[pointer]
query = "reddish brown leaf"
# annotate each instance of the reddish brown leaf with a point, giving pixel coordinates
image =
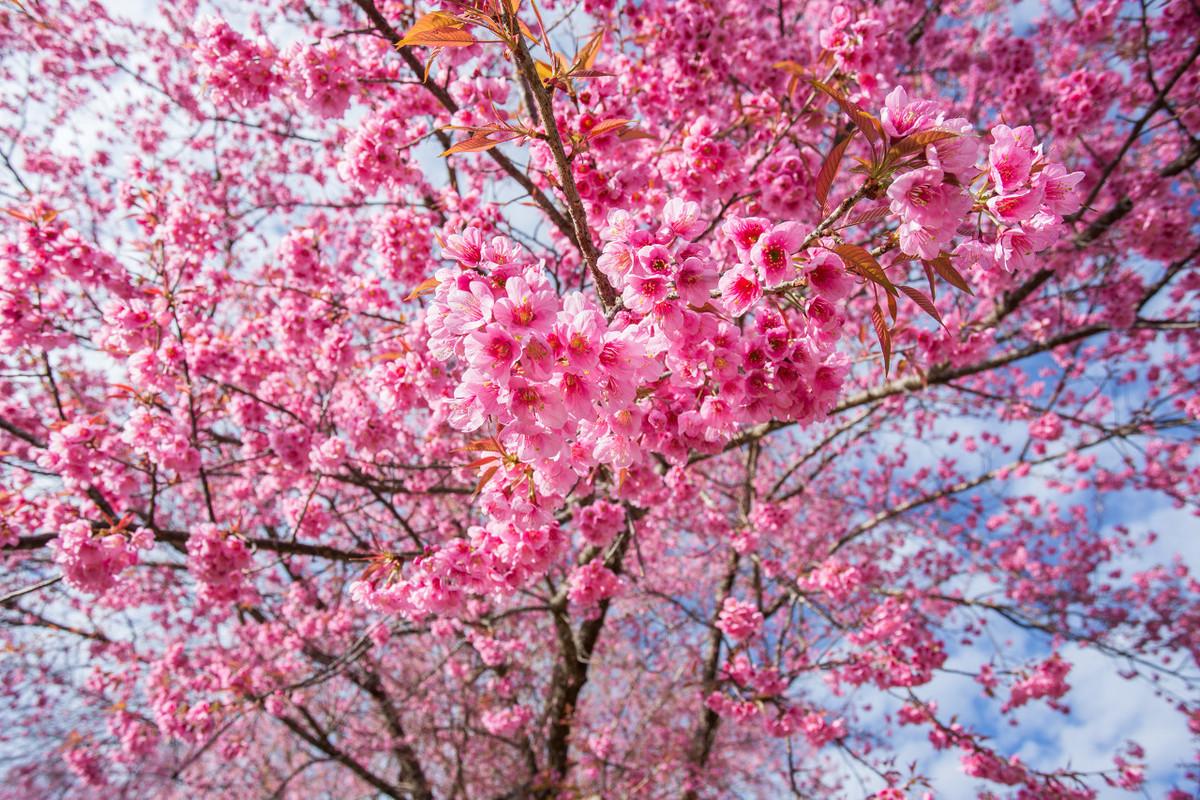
(922, 299)
(828, 172)
(544, 71)
(481, 141)
(865, 122)
(424, 287)
(607, 126)
(865, 264)
(797, 72)
(585, 59)
(485, 477)
(791, 66)
(862, 120)
(884, 336)
(917, 142)
(437, 29)
(929, 279)
(707, 308)
(867, 217)
(950, 275)
(525, 31)
(479, 462)
(483, 445)
(632, 134)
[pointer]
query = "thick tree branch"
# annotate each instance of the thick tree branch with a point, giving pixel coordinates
(571, 668)
(579, 222)
(384, 28)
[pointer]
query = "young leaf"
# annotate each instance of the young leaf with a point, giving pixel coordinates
(479, 462)
(795, 70)
(829, 168)
(917, 142)
(607, 126)
(544, 71)
(480, 142)
(585, 59)
(590, 73)
(791, 66)
(424, 287)
(867, 217)
(487, 475)
(437, 29)
(526, 32)
(862, 120)
(949, 274)
(484, 445)
(921, 299)
(630, 134)
(884, 336)
(865, 122)
(865, 264)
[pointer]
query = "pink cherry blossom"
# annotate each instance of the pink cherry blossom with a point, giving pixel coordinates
(739, 620)
(650, 399)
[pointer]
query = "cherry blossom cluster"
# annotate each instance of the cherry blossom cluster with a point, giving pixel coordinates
(852, 40)
(591, 583)
(132, 324)
(161, 440)
(506, 721)
(1024, 197)
(706, 163)
(70, 450)
(739, 620)
(321, 75)
(785, 720)
(599, 522)
(492, 561)
(738, 381)
(1082, 98)
(379, 152)
(783, 365)
(92, 559)
(33, 257)
(219, 560)
(1047, 679)
(237, 70)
